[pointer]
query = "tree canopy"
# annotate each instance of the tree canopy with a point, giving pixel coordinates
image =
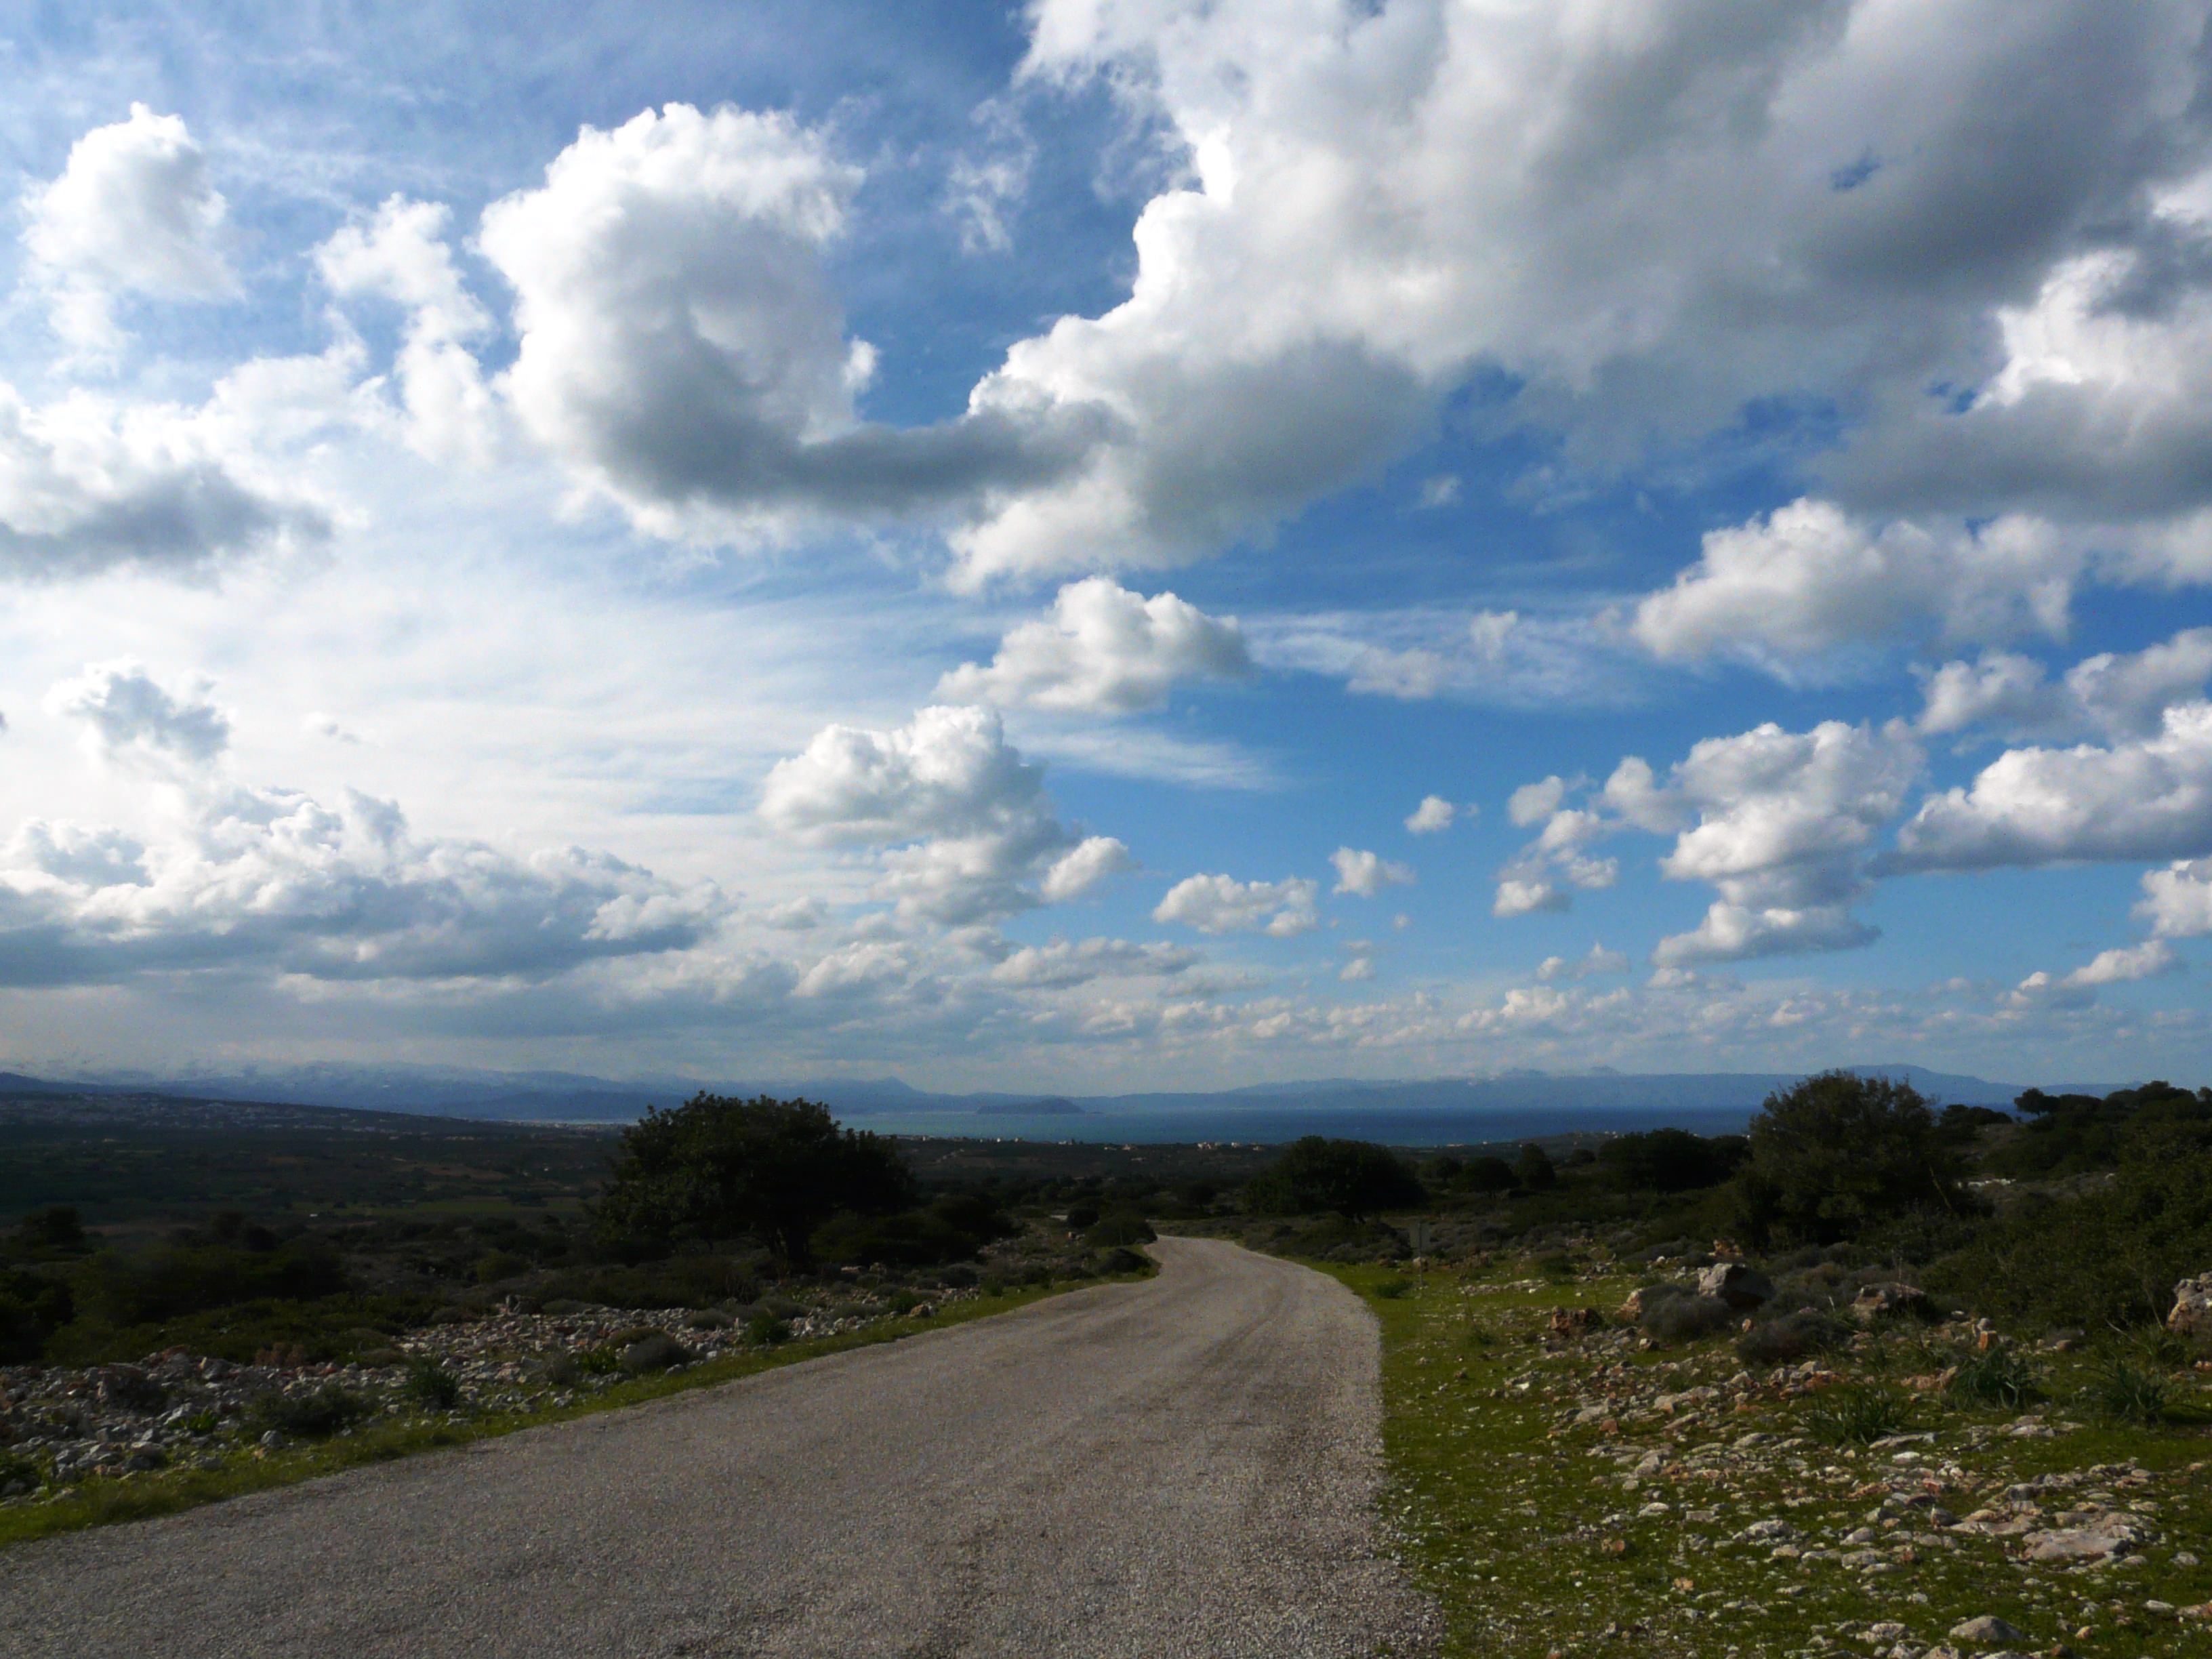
(717, 1167)
(1839, 1153)
(1356, 1178)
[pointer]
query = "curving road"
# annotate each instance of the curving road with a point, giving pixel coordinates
(1181, 1466)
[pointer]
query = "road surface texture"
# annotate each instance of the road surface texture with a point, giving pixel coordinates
(1180, 1467)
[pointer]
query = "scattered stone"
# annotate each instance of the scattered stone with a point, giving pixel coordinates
(1741, 1287)
(1985, 1629)
(2192, 1308)
(1889, 1300)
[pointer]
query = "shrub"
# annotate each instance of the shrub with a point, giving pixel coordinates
(2128, 1393)
(60, 1228)
(314, 1416)
(1793, 1337)
(709, 1318)
(429, 1383)
(1391, 1288)
(1857, 1417)
(600, 1361)
(1119, 1227)
(33, 1307)
(132, 1389)
(1486, 1175)
(1671, 1160)
(658, 1351)
(766, 1329)
(1683, 1318)
(1081, 1217)
(1998, 1377)
(1121, 1260)
(495, 1265)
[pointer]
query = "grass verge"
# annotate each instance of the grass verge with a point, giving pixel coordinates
(140, 1497)
(1573, 1493)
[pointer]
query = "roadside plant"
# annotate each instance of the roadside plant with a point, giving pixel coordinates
(1857, 1417)
(766, 1330)
(1999, 1377)
(1391, 1288)
(429, 1383)
(2128, 1393)
(316, 1416)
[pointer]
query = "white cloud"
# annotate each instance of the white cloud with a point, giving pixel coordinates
(1434, 814)
(1103, 650)
(1059, 964)
(1084, 868)
(1521, 896)
(1788, 590)
(132, 213)
(1220, 904)
(2148, 798)
(1699, 208)
(129, 715)
(681, 349)
(1598, 961)
(1366, 875)
(87, 484)
(1783, 820)
(2126, 964)
(401, 255)
(963, 821)
(1532, 803)
(2109, 695)
(2178, 900)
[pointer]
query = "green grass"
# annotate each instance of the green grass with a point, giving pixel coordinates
(104, 1501)
(1519, 1523)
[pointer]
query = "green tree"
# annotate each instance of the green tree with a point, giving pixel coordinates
(1356, 1178)
(716, 1168)
(1841, 1153)
(1534, 1171)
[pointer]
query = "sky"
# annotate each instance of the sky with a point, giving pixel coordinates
(1108, 543)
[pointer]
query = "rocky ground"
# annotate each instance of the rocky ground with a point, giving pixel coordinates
(1568, 1484)
(61, 1426)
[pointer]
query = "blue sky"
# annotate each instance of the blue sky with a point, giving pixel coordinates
(1114, 542)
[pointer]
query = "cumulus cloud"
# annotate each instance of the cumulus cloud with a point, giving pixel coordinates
(2149, 798)
(2126, 964)
(2109, 695)
(682, 351)
(964, 829)
(1103, 650)
(1703, 206)
(133, 212)
(1365, 875)
(1059, 964)
(1221, 904)
(87, 485)
(1433, 814)
(2178, 900)
(1787, 589)
(1598, 960)
(128, 714)
(241, 879)
(401, 255)
(1780, 822)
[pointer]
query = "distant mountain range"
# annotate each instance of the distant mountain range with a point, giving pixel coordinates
(574, 1097)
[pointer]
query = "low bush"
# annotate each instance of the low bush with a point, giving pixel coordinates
(429, 1383)
(1998, 1378)
(1119, 1227)
(315, 1416)
(2127, 1393)
(1857, 1417)
(656, 1352)
(766, 1329)
(19, 1475)
(1683, 1317)
(1790, 1338)
(1121, 1260)
(709, 1318)
(600, 1361)
(1391, 1288)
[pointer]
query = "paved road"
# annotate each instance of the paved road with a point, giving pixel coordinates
(1181, 1466)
